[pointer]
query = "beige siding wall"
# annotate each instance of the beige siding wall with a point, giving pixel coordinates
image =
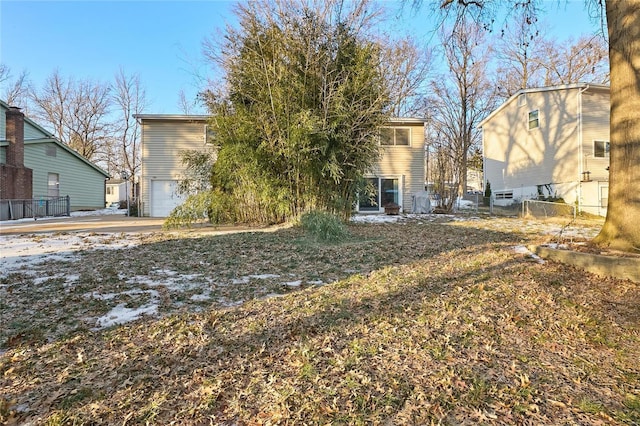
(595, 126)
(162, 142)
(517, 157)
(405, 162)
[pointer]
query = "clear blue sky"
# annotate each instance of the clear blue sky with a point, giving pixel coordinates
(162, 40)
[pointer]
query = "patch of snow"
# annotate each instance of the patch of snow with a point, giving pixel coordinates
(121, 315)
(200, 297)
(101, 212)
(315, 282)
(109, 296)
(528, 253)
(293, 283)
(264, 276)
(376, 218)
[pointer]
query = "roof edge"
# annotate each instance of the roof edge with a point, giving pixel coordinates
(175, 117)
(542, 89)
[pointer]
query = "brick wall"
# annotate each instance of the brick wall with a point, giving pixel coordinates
(16, 180)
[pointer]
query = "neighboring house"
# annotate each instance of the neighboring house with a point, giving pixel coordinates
(54, 169)
(397, 176)
(116, 190)
(551, 141)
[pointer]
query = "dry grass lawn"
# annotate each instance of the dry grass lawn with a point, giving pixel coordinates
(418, 322)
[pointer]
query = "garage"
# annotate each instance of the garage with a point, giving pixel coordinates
(164, 197)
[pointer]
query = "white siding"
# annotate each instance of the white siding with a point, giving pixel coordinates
(164, 138)
(517, 157)
(595, 126)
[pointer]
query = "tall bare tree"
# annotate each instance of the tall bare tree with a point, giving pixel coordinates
(406, 68)
(585, 60)
(76, 111)
(518, 56)
(621, 230)
(462, 98)
(128, 97)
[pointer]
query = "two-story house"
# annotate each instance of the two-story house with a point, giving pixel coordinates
(550, 141)
(396, 177)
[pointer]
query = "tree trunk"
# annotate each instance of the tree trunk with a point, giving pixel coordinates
(622, 226)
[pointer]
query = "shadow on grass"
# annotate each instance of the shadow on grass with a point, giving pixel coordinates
(410, 322)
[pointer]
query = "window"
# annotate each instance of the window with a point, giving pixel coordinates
(50, 150)
(504, 195)
(534, 121)
(109, 190)
(385, 191)
(601, 149)
(604, 197)
(395, 136)
(53, 185)
(209, 134)
(522, 99)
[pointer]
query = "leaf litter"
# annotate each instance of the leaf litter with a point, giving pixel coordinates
(425, 320)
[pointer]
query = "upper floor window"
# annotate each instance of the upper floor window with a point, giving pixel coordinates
(534, 119)
(209, 134)
(601, 149)
(395, 136)
(522, 99)
(50, 150)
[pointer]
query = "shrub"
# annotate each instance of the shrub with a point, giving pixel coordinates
(324, 226)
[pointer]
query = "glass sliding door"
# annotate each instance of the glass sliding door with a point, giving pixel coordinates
(390, 192)
(370, 202)
(385, 191)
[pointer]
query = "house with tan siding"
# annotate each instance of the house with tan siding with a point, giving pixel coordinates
(396, 177)
(550, 141)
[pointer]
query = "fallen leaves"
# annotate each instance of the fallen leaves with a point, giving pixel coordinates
(461, 330)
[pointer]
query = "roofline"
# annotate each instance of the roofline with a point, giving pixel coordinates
(186, 117)
(173, 117)
(542, 89)
(30, 121)
(407, 120)
(64, 147)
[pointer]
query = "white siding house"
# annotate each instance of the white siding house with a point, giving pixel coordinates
(551, 141)
(397, 176)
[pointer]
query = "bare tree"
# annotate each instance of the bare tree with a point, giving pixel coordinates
(14, 90)
(461, 99)
(585, 60)
(76, 111)
(405, 67)
(128, 98)
(620, 230)
(518, 55)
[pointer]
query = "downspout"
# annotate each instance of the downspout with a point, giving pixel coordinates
(580, 148)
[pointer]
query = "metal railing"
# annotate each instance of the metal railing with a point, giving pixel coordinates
(35, 208)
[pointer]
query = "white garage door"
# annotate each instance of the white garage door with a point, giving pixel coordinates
(164, 197)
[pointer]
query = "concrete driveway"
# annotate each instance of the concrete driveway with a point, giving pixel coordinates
(107, 223)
